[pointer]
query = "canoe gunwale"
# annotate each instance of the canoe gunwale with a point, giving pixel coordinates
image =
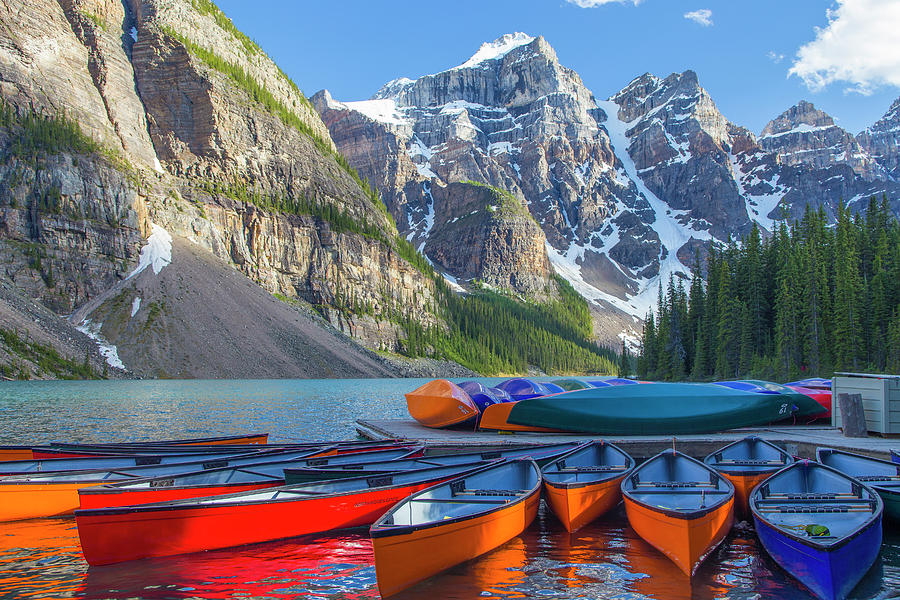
(186, 504)
(576, 485)
(875, 517)
(391, 531)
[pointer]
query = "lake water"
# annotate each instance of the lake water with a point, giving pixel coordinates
(41, 558)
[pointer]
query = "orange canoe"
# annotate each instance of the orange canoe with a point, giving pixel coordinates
(584, 484)
(747, 463)
(496, 417)
(441, 403)
(679, 506)
(453, 522)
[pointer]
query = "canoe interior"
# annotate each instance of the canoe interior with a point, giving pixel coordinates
(596, 462)
(473, 494)
(749, 456)
(677, 483)
(263, 470)
(808, 493)
(871, 471)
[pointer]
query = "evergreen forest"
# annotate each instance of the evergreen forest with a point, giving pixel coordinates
(809, 300)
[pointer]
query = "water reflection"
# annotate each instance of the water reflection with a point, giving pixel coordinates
(606, 560)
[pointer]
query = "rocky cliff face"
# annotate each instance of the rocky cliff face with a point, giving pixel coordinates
(882, 140)
(199, 133)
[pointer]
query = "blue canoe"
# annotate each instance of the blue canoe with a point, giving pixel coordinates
(483, 396)
(523, 389)
(821, 526)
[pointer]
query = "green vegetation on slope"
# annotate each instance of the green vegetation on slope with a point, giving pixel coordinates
(809, 300)
(33, 134)
(492, 334)
(47, 360)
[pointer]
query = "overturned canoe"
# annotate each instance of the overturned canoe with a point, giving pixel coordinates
(803, 406)
(108, 534)
(441, 403)
(484, 396)
(821, 526)
(883, 476)
(224, 480)
(541, 454)
(456, 521)
(651, 409)
(521, 388)
(679, 506)
(584, 484)
(496, 418)
(746, 463)
(820, 395)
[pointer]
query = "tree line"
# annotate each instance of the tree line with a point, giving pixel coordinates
(808, 300)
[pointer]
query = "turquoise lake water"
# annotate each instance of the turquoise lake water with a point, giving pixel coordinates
(41, 558)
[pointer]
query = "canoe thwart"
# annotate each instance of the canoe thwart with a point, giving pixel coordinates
(483, 492)
(609, 469)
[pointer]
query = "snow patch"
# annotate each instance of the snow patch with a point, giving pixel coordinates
(157, 165)
(135, 306)
(133, 33)
(497, 49)
(801, 128)
(107, 350)
(383, 111)
(157, 253)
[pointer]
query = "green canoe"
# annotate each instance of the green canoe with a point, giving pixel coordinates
(652, 409)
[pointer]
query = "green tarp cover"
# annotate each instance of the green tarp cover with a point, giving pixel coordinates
(652, 409)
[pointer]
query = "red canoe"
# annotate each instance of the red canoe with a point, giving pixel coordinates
(113, 535)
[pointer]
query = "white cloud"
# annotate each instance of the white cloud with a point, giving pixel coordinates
(860, 46)
(774, 56)
(596, 3)
(702, 16)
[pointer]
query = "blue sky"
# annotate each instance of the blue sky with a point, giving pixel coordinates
(741, 51)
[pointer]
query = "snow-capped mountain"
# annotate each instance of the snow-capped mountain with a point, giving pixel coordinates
(625, 190)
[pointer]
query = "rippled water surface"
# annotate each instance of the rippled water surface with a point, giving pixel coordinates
(42, 559)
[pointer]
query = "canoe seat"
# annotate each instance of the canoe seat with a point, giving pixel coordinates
(693, 491)
(752, 463)
(812, 496)
(816, 509)
(676, 484)
(593, 469)
(489, 492)
(878, 477)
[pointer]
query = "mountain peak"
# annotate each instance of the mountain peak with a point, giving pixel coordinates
(499, 48)
(803, 116)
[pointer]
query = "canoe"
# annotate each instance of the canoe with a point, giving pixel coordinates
(821, 526)
(746, 463)
(224, 480)
(484, 396)
(541, 454)
(192, 525)
(651, 409)
(679, 506)
(883, 476)
(614, 381)
(570, 384)
(27, 453)
(821, 396)
(32, 495)
(520, 388)
(441, 403)
(496, 418)
(584, 484)
(803, 406)
(816, 383)
(456, 521)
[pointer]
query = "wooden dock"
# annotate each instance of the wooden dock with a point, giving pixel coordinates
(799, 440)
